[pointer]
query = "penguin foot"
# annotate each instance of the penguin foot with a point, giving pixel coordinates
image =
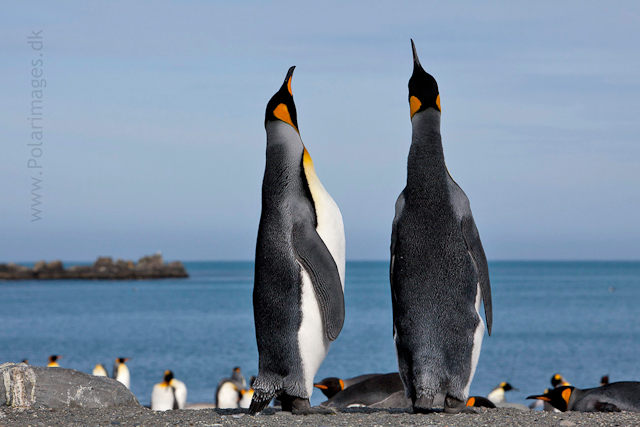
(423, 405)
(454, 406)
(292, 403)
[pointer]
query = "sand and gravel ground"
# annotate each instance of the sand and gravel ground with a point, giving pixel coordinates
(10, 417)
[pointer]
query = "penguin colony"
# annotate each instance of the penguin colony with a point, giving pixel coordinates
(438, 274)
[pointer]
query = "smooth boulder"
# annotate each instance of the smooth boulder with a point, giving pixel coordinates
(27, 386)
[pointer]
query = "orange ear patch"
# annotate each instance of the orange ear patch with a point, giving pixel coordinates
(566, 395)
(282, 112)
(471, 401)
(414, 104)
(438, 102)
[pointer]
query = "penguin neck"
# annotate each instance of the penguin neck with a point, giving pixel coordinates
(284, 147)
(426, 167)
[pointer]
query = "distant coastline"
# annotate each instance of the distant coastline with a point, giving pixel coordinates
(104, 268)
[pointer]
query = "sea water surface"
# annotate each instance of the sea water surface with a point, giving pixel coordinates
(581, 319)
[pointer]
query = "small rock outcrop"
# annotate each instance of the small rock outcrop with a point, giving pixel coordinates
(104, 268)
(26, 386)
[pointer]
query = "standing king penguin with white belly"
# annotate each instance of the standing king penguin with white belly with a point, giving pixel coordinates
(438, 270)
(298, 300)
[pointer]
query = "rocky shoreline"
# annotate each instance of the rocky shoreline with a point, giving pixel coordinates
(142, 417)
(35, 396)
(104, 268)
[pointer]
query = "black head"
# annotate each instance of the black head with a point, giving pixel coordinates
(423, 89)
(122, 360)
(558, 397)
(54, 357)
(168, 376)
(480, 402)
(281, 106)
(330, 386)
(558, 380)
(507, 387)
(604, 380)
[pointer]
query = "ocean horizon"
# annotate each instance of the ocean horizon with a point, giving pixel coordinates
(579, 318)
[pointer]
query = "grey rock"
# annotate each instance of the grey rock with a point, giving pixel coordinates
(27, 386)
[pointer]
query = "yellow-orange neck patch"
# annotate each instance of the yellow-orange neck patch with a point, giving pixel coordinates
(341, 384)
(414, 104)
(438, 102)
(282, 112)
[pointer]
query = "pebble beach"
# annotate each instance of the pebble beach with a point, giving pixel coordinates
(140, 416)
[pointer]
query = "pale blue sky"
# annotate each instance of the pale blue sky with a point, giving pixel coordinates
(154, 138)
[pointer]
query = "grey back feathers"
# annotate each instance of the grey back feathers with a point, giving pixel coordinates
(438, 269)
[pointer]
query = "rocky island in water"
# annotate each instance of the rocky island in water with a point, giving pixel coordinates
(104, 268)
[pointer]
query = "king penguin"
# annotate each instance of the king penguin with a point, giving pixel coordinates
(53, 361)
(497, 395)
(439, 271)
(612, 397)
(298, 299)
(333, 385)
(121, 372)
(100, 371)
(169, 394)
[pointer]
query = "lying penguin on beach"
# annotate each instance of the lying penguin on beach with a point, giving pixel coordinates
(385, 391)
(332, 385)
(613, 397)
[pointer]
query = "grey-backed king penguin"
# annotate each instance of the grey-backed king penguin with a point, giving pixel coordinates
(439, 270)
(169, 394)
(298, 299)
(612, 397)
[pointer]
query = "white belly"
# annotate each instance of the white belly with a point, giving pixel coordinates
(161, 398)
(228, 396)
(181, 392)
(123, 375)
(477, 342)
(312, 340)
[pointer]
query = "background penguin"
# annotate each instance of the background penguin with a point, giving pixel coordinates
(497, 394)
(558, 381)
(227, 394)
(604, 380)
(332, 385)
(298, 299)
(544, 405)
(613, 397)
(121, 372)
(100, 371)
(480, 402)
(25, 361)
(169, 394)
(236, 375)
(53, 361)
(247, 395)
(375, 391)
(439, 271)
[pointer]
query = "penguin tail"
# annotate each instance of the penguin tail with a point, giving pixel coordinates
(259, 401)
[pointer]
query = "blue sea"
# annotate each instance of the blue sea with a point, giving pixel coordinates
(581, 319)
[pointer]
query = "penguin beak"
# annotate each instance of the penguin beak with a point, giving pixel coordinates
(416, 60)
(287, 80)
(545, 398)
(320, 386)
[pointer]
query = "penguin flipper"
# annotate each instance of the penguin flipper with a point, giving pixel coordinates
(316, 259)
(606, 407)
(472, 240)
